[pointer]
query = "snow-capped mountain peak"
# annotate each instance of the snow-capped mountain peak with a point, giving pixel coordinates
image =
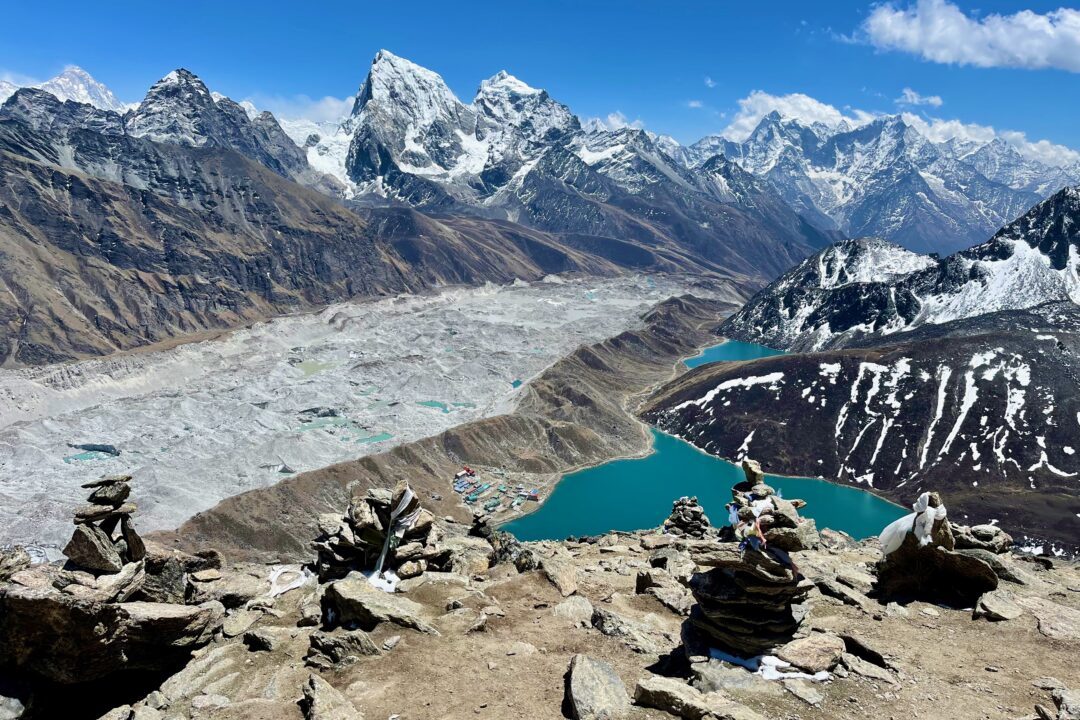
(503, 82)
(77, 85)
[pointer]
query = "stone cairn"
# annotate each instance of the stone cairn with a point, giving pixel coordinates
(687, 518)
(355, 541)
(750, 600)
(95, 545)
(779, 519)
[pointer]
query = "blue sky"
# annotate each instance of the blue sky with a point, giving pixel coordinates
(646, 60)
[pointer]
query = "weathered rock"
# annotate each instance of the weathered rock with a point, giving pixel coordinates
(353, 600)
(997, 605)
(91, 548)
(93, 513)
(66, 639)
(804, 691)
(261, 639)
(576, 609)
(814, 653)
(111, 494)
(981, 537)
(122, 585)
(867, 669)
(1067, 702)
(232, 589)
(562, 573)
(636, 635)
(594, 690)
(679, 699)
(12, 561)
(136, 548)
(1055, 620)
(165, 580)
(752, 471)
(934, 571)
(322, 702)
(716, 676)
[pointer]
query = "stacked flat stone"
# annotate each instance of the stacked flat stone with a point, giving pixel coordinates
(354, 541)
(687, 518)
(748, 602)
(96, 545)
(778, 518)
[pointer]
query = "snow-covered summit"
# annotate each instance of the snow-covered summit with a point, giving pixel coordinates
(77, 85)
(867, 287)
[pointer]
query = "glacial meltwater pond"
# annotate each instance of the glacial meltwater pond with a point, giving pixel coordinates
(637, 494)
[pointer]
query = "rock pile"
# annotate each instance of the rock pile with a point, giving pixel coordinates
(94, 545)
(758, 507)
(933, 568)
(749, 602)
(687, 518)
(356, 540)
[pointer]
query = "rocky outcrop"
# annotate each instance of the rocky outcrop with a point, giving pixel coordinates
(68, 640)
(929, 566)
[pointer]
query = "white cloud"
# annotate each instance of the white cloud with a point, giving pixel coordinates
(709, 82)
(910, 97)
(18, 79)
(302, 107)
(613, 121)
(695, 104)
(796, 106)
(939, 31)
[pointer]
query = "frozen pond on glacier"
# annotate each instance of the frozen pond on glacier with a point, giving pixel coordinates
(203, 421)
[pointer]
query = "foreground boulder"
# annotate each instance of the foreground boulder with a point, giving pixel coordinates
(353, 601)
(681, 700)
(922, 562)
(594, 690)
(68, 640)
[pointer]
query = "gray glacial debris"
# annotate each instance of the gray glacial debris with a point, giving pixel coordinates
(211, 443)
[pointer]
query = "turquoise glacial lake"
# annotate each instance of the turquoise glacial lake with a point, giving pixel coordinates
(636, 494)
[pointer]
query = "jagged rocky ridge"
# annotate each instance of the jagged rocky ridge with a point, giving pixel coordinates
(516, 153)
(885, 178)
(857, 290)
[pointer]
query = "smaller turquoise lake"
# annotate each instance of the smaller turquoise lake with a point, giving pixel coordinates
(729, 351)
(637, 494)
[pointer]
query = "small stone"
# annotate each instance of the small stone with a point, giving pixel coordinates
(818, 652)
(208, 575)
(93, 513)
(930, 612)
(804, 691)
(322, 702)
(997, 605)
(261, 639)
(112, 494)
(391, 642)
